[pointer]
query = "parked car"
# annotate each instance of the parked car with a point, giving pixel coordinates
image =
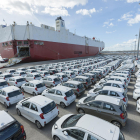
(63, 77)
(78, 127)
(136, 94)
(51, 81)
(34, 87)
(104, 107)
(3, 83)
(10, 128)
(52, 71)
(31, 71)
(91, 76)
(21, 69)
(39, 110)
(70, 74)
(10, 95)
(84, 80)
(17, 81)
(5, 76)
(76, 86)
(10, 71)
(77, 72)
(0, 72)
(32, 76)
(61, 95)
(138, 106)
(30, 67)
(44, 73)
(19, 73)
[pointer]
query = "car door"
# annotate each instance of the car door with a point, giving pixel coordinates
(51, 94)
(73, 134)
(1, 97)
(58, 96)
(25, 109)
(26, 87)
(72, 87)
(31, 87)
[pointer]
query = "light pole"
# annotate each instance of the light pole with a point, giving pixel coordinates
(135, 42)
(138, 46)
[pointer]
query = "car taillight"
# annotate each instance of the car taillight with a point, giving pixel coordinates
(57, 106)
(70, 75)
(122, 115)
(54, 82)
(4, 77)
(36, 88)
(127, 78)
(92, 78)
(44, 74)
(41, 116)
(7, 98)
(65, 98)
(23, 93)
(53, 72)
(124, 100)
(22, 128)
(62, 78)
(86, 83)
(15, 82)
(78, 72)
(31, 71)
(77, 89)
(20, 74)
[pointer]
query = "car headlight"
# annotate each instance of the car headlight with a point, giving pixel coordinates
(79, 103)
(55, 126)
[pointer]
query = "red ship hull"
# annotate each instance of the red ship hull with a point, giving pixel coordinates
(49, 51)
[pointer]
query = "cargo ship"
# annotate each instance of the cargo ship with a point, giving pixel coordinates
(31, 43)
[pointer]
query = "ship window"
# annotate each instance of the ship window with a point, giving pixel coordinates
(3, 44)
(19, 42)
(6, 44)
(35, 42)
(25, 42)
(41, 43)
(10, 43)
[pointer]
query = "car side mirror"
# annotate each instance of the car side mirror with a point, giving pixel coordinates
(65, 133)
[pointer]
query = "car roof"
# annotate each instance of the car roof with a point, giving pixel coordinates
(73, 82)
(40, 100)
(35, 81)
(84, 77)
(62, 88)
(99, 127)
(108, 99)
(52, 76)
(5, 119)
(115, 82)
(68, 71)
(17, 77)
(10, 89)
(6, 74)
(60, 73)
(2, 80)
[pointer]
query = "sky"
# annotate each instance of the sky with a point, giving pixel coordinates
(116, 22)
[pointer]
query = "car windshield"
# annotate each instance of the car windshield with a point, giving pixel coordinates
(14, 93)
(46, 109)
(71, 121)
(20, 80)
(64, 76)
(6, 133)
(80, 86)
(33, 71)
(3, 83)
(46, 73)
(72, 73)
(12, 71)
(88, 99)
(40, 85)
(8, 76)
(69, 93)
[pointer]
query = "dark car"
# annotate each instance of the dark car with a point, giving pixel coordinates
(10, 128)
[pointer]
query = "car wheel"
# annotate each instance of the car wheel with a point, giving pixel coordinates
(5, 105)
(51, 86)
(81, 111)
(34, 94)
(18, 112)
(39, 126)
(56, 138)
(116, 123)
(62, 105)
(138, 98)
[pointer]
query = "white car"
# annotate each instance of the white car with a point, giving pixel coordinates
(39, 110)
(137, 85)
(17, 81)
(0, 72)
(31, 71)
(40, 69)
(138, 106)
(5, 76)
(10, 95)
(70, 74)
(62, 95)
(19, 73)
(10, 71)
(63, 77)
(3, 83)
(80, 127)
(30, 67)
(32, 76)
(60, 69)
(77, 72)
(34, 87)
(136, 94)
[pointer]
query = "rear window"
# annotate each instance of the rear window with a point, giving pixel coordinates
(23, 69)
(14, 93)
(72, 73)
(20, 80)
(80, 86)
(56, 79)
(71, 121)
(64, 76)
(40, 85)
(22, 73)
(33, 71)
(32, 67)
(88, 99)
(8, 76)
(9, 131)
(37, 76)
(3, 83)
(46, 73)
(46, 109)
(69, 93)
(12, 71)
